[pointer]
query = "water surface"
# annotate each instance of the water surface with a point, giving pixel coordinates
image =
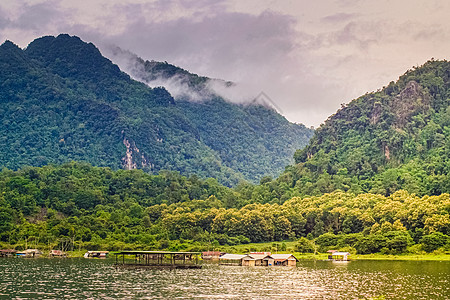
(99, 279)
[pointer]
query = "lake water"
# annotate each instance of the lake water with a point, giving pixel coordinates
(99, 279)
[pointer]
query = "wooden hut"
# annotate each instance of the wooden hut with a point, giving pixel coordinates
(29, 253)
(330, 253)
(284, 260)
(211, 255)
(342, 256)
(7, 252)
(96, 254)
(57, 253)
(232, 259)
(248, 261)
(261, 259)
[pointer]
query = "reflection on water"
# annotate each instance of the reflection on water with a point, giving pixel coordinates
(98, 279)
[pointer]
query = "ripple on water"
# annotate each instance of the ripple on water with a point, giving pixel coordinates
(95, 279)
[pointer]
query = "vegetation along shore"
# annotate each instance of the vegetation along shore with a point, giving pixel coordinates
(77, 206)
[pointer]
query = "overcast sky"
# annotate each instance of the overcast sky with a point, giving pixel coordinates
(307, 56)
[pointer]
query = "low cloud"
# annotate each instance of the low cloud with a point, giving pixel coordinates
(339, 17)
(307, 57)
(179, 84)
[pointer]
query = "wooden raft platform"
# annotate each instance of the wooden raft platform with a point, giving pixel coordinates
(158, 259)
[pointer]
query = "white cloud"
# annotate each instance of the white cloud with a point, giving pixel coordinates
(308, 56)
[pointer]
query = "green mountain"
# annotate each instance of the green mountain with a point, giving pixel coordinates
(392, 139)
(62, 101)
(395, 138)
(251, 138)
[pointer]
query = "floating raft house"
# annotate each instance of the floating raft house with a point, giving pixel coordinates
(96, 254)
(258, 259)
(57, 253)
(159, 259)
(30, 253)
(232, 259)
(7, 252)
(343, 256)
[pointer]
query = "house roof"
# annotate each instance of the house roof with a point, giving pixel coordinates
(32, 251)
(211, 253)
(230, 256)
(132, 252)
(341, 253)
(283, 257)
(259, 256)
(7, 251)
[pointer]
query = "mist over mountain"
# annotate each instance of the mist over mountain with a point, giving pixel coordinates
(230, 126)
(62, 101)
(182, 84)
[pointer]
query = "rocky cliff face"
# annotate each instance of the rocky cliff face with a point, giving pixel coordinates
(410, 101)
(134, 159)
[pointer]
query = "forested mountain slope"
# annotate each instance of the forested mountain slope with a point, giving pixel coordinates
(251, 138)
(395, 138)
(62, 101)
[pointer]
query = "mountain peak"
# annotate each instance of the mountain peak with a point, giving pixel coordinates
(69, 56)
(12, 55)
(9, 45)
(64, 47)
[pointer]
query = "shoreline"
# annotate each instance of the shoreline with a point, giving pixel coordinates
(319, 256)
(376, 256)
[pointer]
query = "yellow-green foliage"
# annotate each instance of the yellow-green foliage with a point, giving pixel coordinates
(98, 207)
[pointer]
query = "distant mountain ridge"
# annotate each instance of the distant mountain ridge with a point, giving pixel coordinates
(62, 100)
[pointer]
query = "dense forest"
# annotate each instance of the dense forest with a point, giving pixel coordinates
(392, 139)
(63, 101)
(374, 177)
(98, 208)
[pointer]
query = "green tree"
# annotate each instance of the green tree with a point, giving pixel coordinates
(434, 241)
(304, 245)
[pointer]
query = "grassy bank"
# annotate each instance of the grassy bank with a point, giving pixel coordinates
(378, 256)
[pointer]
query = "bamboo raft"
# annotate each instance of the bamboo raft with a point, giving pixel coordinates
(158, 259)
